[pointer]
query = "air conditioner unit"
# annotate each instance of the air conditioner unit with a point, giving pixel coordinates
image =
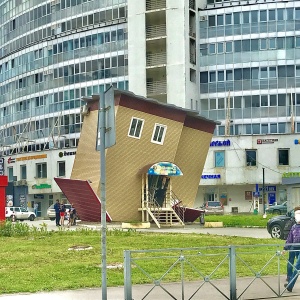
(203, 18)
(16, 183)
(125, 30)
(84, 110)
(126, 56)
(23, 182)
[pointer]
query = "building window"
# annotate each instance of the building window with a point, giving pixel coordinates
(23, 172)
(136, 127)
(41, 170)
(283, 157)
(251, 158)
(61, 168)
(219, 159)
(159, 133)
(10, 172)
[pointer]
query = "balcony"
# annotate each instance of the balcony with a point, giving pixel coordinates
(155, 4)
(156, 88)
(156, 31)
(156, 59)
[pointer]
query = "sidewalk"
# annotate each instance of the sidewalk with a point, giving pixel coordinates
(255, 291)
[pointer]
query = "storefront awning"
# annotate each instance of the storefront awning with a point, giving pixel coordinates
(162, 168)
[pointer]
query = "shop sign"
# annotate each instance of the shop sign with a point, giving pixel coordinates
(38, 196)
(212, 176)
(220, 143)
(1, 166)
(10, 160)
(41, 186)
(164, 168)
(40, 156)
(290, 174)
(269, 188)
(266, 141)
(66, 153)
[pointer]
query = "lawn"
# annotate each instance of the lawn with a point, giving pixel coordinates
(240, 220)
(37, 260)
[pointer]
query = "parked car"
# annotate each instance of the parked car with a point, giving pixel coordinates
(279, 209)
(19, 213)
(279, 226)
(51, 211)
(213, 207)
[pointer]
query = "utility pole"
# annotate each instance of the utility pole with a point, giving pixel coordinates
(263, 192)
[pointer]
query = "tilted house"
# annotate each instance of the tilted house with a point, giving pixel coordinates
(156, 143)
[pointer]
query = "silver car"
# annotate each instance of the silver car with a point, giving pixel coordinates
(213, 207)
(51, 211)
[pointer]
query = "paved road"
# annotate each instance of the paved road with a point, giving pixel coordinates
(189, 228)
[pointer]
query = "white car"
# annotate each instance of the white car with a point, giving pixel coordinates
(19, 213)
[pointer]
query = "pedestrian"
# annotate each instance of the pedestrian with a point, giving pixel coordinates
(36, 206)
(57, 212)
(74, 215)
(71, 220)
(62, 213)
(293, 238)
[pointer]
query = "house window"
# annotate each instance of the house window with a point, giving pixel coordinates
(251, 158)
(10, 172)
(219, 159)
(283, 157)
(136, 127)
(61, 168)
(23, 172)
(159, 133)
(41, 170)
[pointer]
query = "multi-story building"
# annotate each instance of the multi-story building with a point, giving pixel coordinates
(196, 54)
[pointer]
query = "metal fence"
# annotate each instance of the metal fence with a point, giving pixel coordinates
(201, 271)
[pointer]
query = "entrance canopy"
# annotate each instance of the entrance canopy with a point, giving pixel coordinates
(162, 168)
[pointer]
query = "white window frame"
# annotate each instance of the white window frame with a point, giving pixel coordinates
(155, 139)
(43, 169)
(136, 134)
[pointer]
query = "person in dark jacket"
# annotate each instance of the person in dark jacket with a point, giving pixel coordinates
(57, 210)
(293, 238)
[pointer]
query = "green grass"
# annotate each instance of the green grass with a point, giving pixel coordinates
(36, 260)
(239, 220)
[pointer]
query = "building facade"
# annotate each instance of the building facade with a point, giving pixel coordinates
(236, 62)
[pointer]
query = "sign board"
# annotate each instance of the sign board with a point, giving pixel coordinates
(109, 115)
(1, 166)
(164, 168)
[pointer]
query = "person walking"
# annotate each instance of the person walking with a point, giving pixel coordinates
(293, 238)
(57, 212)
(36, 206)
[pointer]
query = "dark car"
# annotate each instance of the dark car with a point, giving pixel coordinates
(277, 209)
(279, 226)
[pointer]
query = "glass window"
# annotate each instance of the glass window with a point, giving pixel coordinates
(264, 100)
(255, 101)
(297, 41)
(251, 158)
(272, 72)
(212, 49)
(237, 46)
(220, 75)
(263, 44)
(263, 16)
(283, 157)
(237, 102)
(238, 74)
(255, 128)
(254, 73)
(10, 172)
(272, 43)
(220, 20)
(41, 170)
(229, 46)
(281, 100)
(61, 168)
(159, 134)
(264, 72)
(221, 104)
(219, 159)
(246, 45)
(254, 16)
(211, 21)
(213, 104)
(236, 18)
(273, 128)
(272, 16)
(228, 19)
(273, 100)
(220, 47)
(264, 128)
(212, 76)
(23, 172)
(254, 45)
(280, 15)
(281, 127)
(246, 17)
(229, 75)
(136, 127)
